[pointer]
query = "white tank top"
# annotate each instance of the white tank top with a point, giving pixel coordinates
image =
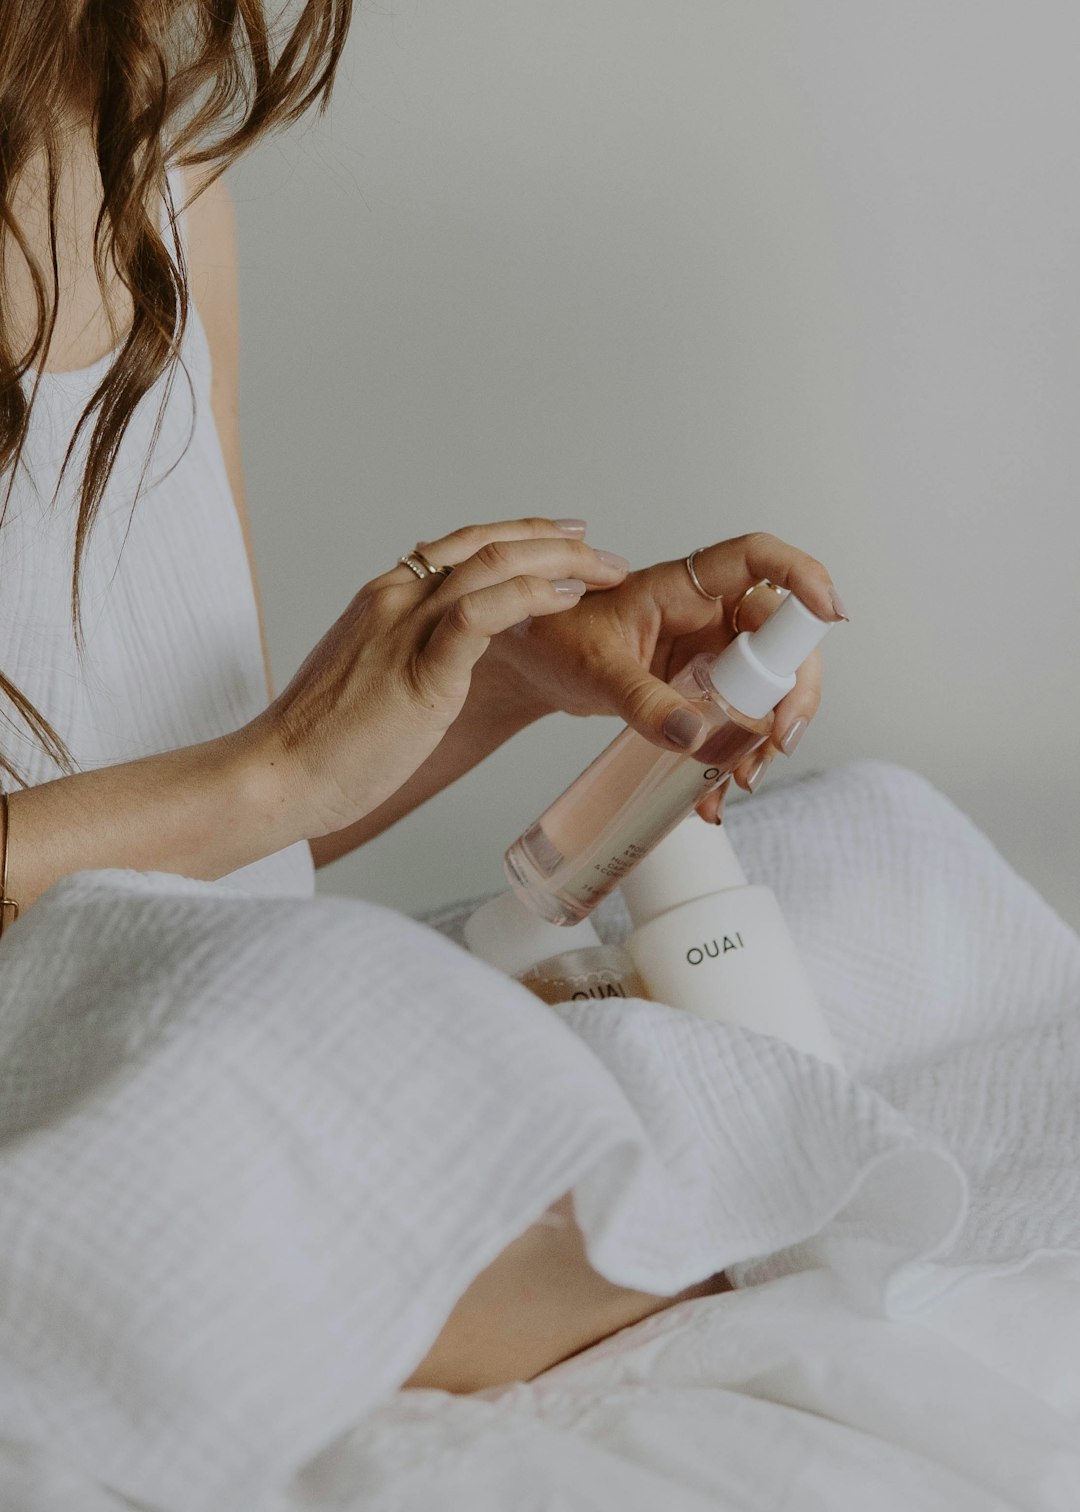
(173, 654)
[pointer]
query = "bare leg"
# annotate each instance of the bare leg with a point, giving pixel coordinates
(538, 1302)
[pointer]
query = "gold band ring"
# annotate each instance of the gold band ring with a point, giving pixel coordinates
(431, 567)
(419, 565)
(716, 597)
(743, 596)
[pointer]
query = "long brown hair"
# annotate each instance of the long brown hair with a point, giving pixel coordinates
(195, 80)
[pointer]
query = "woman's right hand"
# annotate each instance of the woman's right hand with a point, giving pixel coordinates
(377, 694)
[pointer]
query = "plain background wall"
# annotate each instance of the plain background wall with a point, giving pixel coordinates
(688, 268)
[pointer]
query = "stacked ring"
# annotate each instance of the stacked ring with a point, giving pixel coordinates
(743, 596)
(716, 597)
(418, 564)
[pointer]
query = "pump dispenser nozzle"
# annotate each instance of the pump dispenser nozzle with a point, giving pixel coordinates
(759, 666)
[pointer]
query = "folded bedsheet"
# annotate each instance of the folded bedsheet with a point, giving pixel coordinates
(251, 1151)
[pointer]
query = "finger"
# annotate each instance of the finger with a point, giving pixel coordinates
(757, 604)
(793, 715)
(797, 708)
(650, 706)
(468, 539)
(498, 561)
(466, 627)
(711, 807)
(750, 765)
(730, 567)
(752, 770)
(450, 550)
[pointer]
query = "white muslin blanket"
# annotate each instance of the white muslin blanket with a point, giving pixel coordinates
(251, 1150)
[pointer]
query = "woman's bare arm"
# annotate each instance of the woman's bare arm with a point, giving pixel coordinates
(370, 705)
(202, 811)
(464, 745)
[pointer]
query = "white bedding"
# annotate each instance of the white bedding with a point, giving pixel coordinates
(241, 1194)
(777, 1398)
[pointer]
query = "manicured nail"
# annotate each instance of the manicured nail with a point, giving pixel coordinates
(838, 605)
(683, 728)
(756, 772)
(610, 559)
(569, 585)
(793, 736)
(570, 527)
(723, 797)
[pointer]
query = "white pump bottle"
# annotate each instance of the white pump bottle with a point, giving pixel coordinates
(706, 941)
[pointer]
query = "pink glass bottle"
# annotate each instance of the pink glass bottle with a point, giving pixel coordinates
(635, 792)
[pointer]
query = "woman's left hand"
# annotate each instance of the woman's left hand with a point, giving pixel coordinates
(616, 651)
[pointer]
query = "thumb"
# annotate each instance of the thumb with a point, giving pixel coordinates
(654, 709)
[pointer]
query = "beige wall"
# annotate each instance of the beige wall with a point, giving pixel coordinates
(690, 267)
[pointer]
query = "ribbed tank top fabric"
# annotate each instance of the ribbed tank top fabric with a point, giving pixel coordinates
(173, 654)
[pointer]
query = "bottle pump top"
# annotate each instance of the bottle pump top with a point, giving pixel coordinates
(755, 671)
(506, 934)
(696, 859)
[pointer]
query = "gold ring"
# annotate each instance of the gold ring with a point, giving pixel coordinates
(414, 565)
(716, 597)
(752, 589)
(435, 571)
(419, 565)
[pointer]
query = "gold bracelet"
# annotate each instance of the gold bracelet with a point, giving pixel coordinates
(5, 901)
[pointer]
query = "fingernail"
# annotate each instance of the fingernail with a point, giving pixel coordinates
(838, 605)
(724, 786)
(570, 527)
(569, 585)
(610, 559)
(793, 736)
(756, 772)
(683, 728)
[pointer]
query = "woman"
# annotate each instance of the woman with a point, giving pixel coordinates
(143, 731)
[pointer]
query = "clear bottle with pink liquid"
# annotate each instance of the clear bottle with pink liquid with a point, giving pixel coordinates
(635, 792)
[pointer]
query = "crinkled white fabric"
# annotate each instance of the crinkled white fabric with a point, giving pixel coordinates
(950, 986)
(252, 1151)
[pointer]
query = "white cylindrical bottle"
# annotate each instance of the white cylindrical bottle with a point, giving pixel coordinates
(706, 941)
(559, 964)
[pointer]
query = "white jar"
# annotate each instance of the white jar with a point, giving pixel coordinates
(558, 963)
(706, 941)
